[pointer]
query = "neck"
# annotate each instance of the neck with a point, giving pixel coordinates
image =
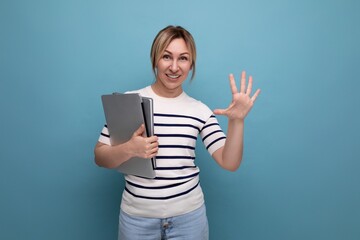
(165, 92)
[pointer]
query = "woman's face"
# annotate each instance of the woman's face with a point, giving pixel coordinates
(172, 69)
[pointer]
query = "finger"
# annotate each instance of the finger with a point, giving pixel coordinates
(152, 139)
(249, 87)
(232, 84)
(152, 154)
(256, 94)
(154, 149)
(154, 145)
(243, 82)
(220, 111)
(140, 130)
(151, 151)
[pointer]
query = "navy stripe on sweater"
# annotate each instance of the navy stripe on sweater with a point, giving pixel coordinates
(176, 146)
(158, 187)
(178, 116)
(177, 135)
(175, 125)
(163, 198)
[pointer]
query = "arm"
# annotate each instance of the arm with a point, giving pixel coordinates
(138, 146)
(230, 155)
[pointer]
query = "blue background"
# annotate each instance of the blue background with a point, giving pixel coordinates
(300, 175)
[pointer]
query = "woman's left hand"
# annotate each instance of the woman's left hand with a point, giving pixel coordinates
(242, 101)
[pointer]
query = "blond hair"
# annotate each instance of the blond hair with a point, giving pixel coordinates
(164, 38)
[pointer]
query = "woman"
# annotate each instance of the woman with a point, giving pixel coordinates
(171, 206)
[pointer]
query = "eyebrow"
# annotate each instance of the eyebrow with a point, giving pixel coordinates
(180, 53)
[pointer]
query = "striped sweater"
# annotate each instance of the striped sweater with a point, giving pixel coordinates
(176, 189)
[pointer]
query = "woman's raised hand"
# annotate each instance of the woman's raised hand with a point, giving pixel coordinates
(242, 101)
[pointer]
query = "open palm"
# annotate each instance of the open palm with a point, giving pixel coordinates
(242, 101)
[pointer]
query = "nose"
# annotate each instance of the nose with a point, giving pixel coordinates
(174, 66)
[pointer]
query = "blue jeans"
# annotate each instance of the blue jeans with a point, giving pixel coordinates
(192, 225)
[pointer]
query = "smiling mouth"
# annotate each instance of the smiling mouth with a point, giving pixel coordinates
(173, 76)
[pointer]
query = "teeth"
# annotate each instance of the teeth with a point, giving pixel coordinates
(173, 76)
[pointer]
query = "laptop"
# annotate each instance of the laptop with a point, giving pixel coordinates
(124, 113)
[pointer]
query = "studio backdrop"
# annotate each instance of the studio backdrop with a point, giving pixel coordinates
(300, 174)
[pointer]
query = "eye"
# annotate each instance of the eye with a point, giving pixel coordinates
(183, 58)
(166, 57)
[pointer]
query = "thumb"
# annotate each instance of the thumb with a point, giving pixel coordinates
(219, 111)
(139, 131)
